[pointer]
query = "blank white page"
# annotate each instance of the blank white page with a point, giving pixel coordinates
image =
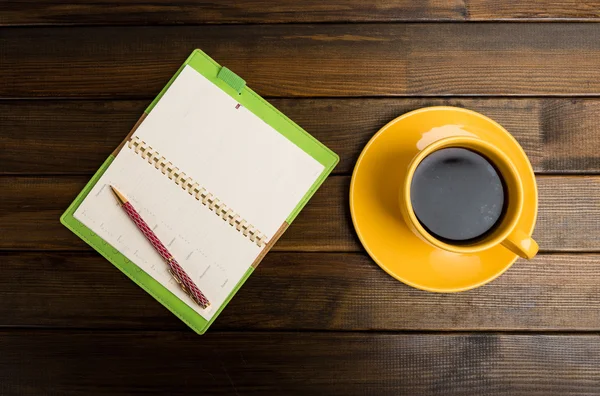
(226, 149)
(231, 152)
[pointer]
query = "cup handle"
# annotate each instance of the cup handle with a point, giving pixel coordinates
(522, 244)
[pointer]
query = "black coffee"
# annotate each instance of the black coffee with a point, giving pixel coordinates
(457, 195)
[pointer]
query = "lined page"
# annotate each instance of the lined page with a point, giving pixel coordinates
(226, 149)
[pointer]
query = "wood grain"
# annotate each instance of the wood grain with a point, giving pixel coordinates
(568, 218)
(305, 291)
(559, 135)
(318, 316)
(165, 12)
(159, 363)
(545, 10)
(309, 60)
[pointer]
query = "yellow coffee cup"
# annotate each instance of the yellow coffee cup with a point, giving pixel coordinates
(506, 232)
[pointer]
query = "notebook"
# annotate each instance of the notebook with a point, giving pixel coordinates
(217, 173)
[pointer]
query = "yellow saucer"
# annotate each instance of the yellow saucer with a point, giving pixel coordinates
(375, 205)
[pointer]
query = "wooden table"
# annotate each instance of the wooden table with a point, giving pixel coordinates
(318, 317)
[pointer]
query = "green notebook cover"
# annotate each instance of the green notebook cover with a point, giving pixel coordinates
(235, 87)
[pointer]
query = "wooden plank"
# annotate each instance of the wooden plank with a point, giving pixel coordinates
(568, 218)
(75, 137)
(309, 60)
(484, 10)
(165, 12)
(338, 291)
(126, 363)
(63, 136)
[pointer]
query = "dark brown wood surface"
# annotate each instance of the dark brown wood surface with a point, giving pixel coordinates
(298, 363)
(168, 12)
(306, 291)
(318, 316)
(309, 60)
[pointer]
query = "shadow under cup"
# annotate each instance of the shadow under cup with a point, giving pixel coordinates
(512, 203)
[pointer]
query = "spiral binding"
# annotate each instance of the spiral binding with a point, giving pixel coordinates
(195, 190)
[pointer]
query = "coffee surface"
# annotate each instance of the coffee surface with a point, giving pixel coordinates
(457, 195)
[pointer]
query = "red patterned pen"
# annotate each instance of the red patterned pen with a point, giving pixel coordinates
(184, 281)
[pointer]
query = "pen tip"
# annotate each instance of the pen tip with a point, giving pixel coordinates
(120, 197)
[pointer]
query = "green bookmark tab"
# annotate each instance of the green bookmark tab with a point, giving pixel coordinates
(232, 79)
